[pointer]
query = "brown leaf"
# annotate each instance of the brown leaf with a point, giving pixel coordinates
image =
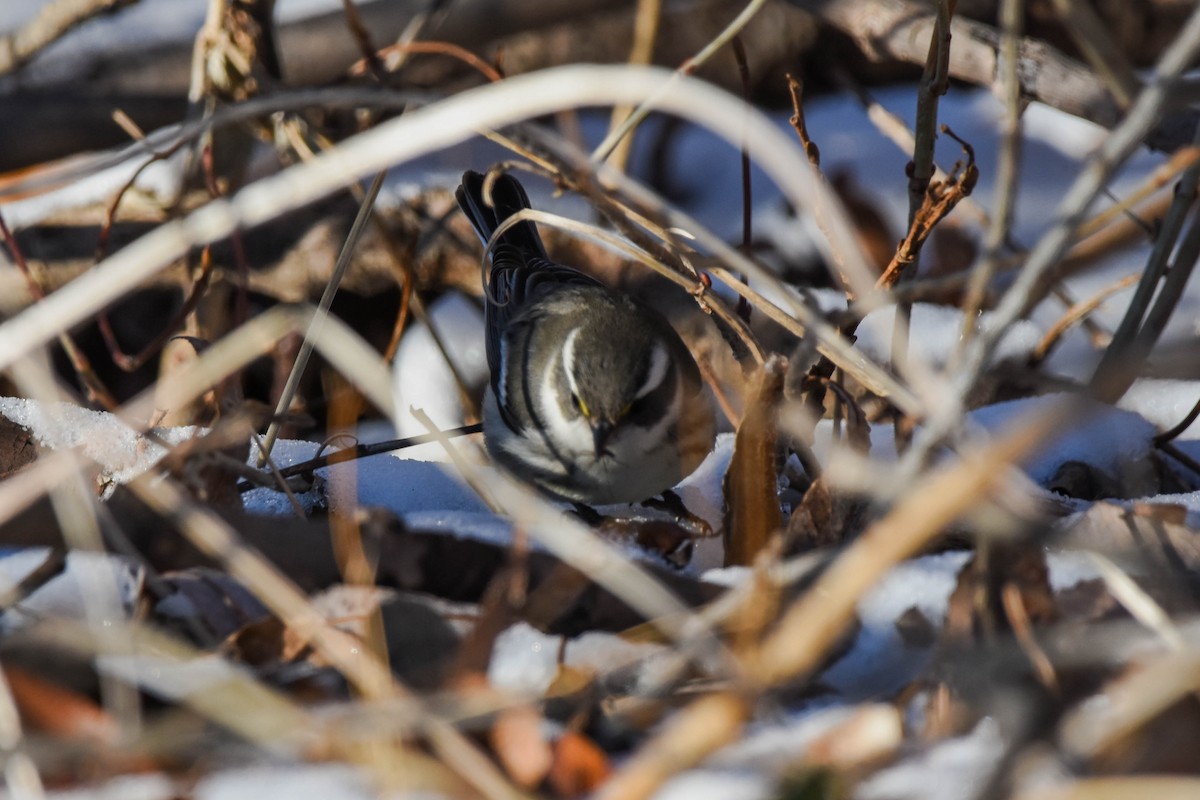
(954, 249)
(915, 629)
(824, 518)
(976, 604)
(580, 766)
(517, 740)
(17, 448)
(58, 711)
(259, 643)
(208, 600)
(751, 501)
(875, 236)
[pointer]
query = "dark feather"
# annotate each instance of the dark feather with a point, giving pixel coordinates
(520, 269)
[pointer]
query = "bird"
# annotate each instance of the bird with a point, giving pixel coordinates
(593, 397)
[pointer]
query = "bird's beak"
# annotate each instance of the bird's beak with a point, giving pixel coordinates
(601, 432)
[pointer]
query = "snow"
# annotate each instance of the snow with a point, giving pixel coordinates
(121, 452)
(1164, 402)
(961, 766)
(88, 585)
(159, 180)
(1109, 439)
(325, 781)
(716, 785)
(1106, 438)
(936, 332)
(423, 380)
(879, 663)
(408, 486)
(524, 660)
(605, 653)
(773, 747)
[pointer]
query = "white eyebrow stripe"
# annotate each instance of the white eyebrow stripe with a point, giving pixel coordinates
(502, 382)
(660, 362)
(569, 359)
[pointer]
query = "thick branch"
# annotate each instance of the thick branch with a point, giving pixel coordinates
(56, 19)
(901, 29)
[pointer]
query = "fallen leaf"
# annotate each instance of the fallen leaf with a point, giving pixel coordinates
(580, 766)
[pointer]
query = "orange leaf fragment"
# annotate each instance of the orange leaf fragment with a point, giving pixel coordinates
(580, 766)
(59, 711)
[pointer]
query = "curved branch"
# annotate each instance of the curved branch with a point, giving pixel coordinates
(54, 21)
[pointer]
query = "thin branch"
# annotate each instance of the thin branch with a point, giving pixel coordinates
(421, 131)
(646, 22)
(449, 49)
(331, 288)
(1097, 45)
(1076, 314)
(796, 89)
(219, 540)
(1175, 430)
(1031, 284)
(605, 148)
(1007, 169)
(97, 391)
(940, 199)
(1117, 354)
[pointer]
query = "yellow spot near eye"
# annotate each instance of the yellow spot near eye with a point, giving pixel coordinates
(583, 409)
(625, 410)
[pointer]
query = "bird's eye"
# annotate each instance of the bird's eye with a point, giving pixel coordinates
(634, 408)
(578, 404)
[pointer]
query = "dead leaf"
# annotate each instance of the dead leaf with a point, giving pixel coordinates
(580, 766)
(517, 740)
(824, 518)
(875, 236)
(976, 606)
(751, 500)
(58, 711)
(915, 629)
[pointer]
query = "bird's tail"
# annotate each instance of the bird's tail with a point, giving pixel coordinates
(508, 197)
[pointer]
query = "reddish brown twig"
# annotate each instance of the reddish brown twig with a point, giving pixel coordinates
(796, 88)
(940, 199)
(1078, 312)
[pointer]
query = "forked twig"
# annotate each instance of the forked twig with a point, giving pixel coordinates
(796, 89)
(940, 198)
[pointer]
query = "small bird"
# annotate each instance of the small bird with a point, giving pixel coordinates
(593, 396)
